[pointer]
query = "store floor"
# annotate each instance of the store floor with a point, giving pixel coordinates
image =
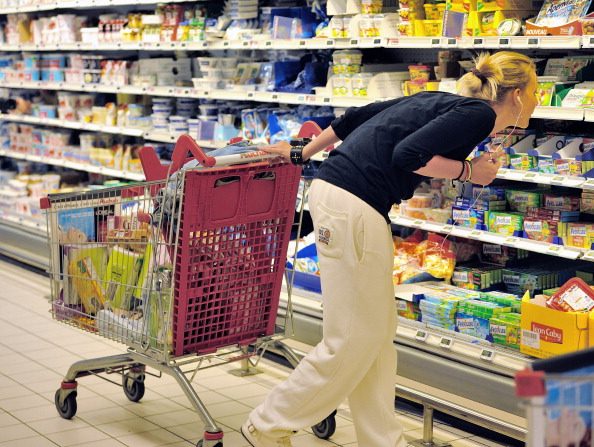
(36, 351)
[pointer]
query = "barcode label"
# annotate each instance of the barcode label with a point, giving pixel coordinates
(530, 339)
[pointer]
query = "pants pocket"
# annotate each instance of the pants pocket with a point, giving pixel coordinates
(331, 231)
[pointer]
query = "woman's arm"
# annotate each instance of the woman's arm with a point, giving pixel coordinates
(484, 169)
(283, 148)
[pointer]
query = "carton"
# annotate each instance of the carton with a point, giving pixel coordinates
(548, 332)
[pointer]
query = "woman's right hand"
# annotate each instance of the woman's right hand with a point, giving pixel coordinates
(484, 169)
(282, 148)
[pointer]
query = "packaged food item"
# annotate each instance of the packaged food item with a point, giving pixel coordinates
(574, 296)
(360, 82)
(504, 223)
(561, 203)
(578, 234)
(541, 230)
(419, 73)
(505, 329)
(371, 6)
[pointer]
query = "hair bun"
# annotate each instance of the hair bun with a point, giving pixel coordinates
(479, 75)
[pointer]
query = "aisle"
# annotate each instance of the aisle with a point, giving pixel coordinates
(36, 351)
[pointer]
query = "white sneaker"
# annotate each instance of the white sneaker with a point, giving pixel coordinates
(259, 439)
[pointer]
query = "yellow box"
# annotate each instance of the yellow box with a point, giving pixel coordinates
(428, 27)
(434, 11)
(548, 332)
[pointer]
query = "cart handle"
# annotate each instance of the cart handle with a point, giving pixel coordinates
(154, 170)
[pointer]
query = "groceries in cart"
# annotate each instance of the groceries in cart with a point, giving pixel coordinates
(108, 254)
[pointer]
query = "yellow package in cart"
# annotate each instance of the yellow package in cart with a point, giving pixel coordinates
(548, 332)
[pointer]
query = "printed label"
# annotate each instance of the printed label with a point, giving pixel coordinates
(460, 276)
(533, 226)
(530, 339)
(578, 231)
(547, 333)
(461, 214)
(465, 323)
(490, 249)
(554, 202)
(511, 279)
(503, 220)
(498, 329)
(324, 235)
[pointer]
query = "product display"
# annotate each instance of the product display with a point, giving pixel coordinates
(497, 265)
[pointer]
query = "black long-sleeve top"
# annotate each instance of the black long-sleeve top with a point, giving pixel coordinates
(384, 142)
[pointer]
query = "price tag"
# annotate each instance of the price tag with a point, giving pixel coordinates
(354, 41)
(246, 44)
(435, 42)
(530, 175)
(555, 248)
(511, 241)
(475, 233)
(377, 41)
(448, 228)
(421, 335)
(226, 43)
(330, 43)
(275, 97)
(487, 355)
(533, 41)
(302, 43)
(591, 40)
(452, 42)
(326, 100)
(558, 180)
(206, 93)
(250, 94)
(417, 222)
(478, 41)
(504, 42)
(446, 342)
(301, 98)
(268, 43)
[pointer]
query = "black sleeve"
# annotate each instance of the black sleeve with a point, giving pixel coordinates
(355, 116)
(454, 133)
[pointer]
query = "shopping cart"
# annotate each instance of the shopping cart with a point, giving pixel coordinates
(558, 394)
(184, 269)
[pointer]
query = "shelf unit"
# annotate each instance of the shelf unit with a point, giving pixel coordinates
(89, 127)
(462, 366)
(512, 42)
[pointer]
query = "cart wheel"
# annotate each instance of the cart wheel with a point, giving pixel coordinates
(68, 410)
(133, 388)
(326, 428)
(201, 444)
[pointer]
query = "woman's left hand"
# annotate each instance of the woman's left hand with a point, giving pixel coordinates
(282, 148)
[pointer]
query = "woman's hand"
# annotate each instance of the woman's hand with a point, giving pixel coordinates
(484, 169)
(282, 148)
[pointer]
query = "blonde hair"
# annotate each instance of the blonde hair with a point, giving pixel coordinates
(496, 74)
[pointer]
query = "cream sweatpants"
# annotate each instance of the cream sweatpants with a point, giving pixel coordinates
(356, 358)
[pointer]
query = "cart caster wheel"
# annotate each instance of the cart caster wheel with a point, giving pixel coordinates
(68, 409)
(326, 428)
(133, 388)
(201, 444)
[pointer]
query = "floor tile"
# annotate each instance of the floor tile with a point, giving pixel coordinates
(36, 441)
(150, 439)
(17, 431)
(77, 436)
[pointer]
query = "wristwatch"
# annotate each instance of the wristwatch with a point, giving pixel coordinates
(296, 154)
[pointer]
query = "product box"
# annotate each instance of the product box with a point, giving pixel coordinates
(548, 332)
(504, 223)
(505, 329)
(468, 217)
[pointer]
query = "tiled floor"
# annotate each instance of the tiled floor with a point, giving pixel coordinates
(36, 351)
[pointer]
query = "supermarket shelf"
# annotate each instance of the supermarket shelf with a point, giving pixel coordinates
(492, 238)
(514, 42)
(545, 179)
(72, 125)
(73, 165)
(129, 131)
(559, 113)
(79, 4)
(188, 92)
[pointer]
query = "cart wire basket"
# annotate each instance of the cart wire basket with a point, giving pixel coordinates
(185, 267)
(558, 395)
